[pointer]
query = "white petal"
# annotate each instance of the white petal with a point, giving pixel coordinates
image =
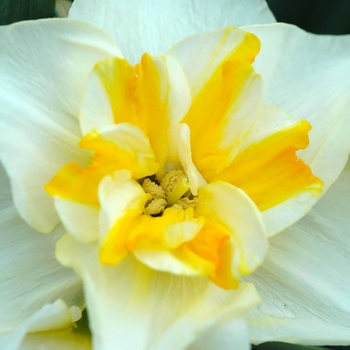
(43, 78)
(303, 74)
(133, 307)
(5, 191)
(30, 275)
(50, 317)
(33, 148)
(50, 64)
(227, 336)
(154, 26)
(182, 143)
(200, 55)
(304, 282)
(80, 220)
(164, 260)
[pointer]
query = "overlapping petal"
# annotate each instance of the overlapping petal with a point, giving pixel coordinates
(152, 95)
(117, 147)
(48, 322)
(304, 282)
(57, 340)
(306, 79)
(155, 305)
(39, 101)
(250, 146)
(30, 276)
(226, 94)
(241, 218)
(269, 171)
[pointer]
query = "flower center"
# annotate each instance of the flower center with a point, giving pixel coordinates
(172, 191)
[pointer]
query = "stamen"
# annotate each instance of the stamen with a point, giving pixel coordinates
(155, 190)
(175, 185)
(157, 206)
(169, 193)
(185, 202)
(171, 180)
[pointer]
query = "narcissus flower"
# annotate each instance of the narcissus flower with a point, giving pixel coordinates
(170, 174)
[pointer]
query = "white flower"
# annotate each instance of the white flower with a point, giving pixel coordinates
(42, 97)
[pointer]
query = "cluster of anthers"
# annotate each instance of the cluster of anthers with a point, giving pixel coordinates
(172, 191)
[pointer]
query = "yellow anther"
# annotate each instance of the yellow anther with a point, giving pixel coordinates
(155, 190)
(171, 180)
(157, 206)
(185, 202)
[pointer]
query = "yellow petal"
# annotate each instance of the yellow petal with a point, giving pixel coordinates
(231, 208)
(117, 147)
(152, 95)
(222, 114)
(268, 169)
(201, 55)
(122, 201)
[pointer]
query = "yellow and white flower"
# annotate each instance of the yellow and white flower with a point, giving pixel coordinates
(171, 174)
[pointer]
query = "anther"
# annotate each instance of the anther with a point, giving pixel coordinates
(156, 206)
(155, 190)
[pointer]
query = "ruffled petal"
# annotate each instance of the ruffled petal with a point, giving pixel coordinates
(42, 86)
(231, 207)
(156, 306)
(303, 74)
(269, 171)
(122, 201)
(225, 107)
(117, 147)
(152, 95)
(282, 186)
(201, 55)
(304, 281)
(155, 26)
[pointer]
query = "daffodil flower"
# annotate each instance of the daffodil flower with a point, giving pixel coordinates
(170, 174)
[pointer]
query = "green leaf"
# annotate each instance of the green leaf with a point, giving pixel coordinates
(20, 10)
